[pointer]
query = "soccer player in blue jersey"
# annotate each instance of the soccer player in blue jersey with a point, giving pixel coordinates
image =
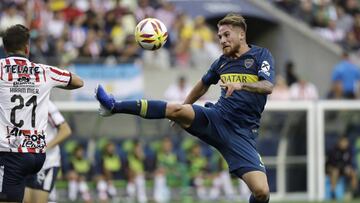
(230, 125)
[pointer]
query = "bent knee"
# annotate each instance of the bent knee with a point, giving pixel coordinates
(174, 111)
(182, 114)
(262, 193)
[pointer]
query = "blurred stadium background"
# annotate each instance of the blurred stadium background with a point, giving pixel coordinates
(302, 123)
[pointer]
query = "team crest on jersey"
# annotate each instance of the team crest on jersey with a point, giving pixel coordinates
(248, 63)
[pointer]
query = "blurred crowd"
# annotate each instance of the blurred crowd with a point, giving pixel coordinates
(102, 31)
(345, 83)
(123, 170)
(335, 20)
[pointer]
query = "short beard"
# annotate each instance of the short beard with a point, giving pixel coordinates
(233, 50)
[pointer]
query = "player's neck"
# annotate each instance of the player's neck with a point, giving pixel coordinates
(18, 53)
(243, 49)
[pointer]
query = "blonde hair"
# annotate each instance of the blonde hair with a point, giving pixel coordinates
(234, 20)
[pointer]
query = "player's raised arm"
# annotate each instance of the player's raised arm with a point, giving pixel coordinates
(197, 91)
(63, 79)
(75, 82)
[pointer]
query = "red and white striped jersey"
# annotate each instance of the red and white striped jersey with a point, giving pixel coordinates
(54, 121)
(25, 90)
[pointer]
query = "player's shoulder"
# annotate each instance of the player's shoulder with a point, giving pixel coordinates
(44, 66)
(219, 62)
(258, 50)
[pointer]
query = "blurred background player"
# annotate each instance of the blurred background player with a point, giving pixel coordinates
(167, 163)
(25, 90)
(177, 91)
(78, 175)
(236, 115)
(111, 168)
(40, 185)
(136, 187)
(221, 180)
(198, 168)
(340, 163)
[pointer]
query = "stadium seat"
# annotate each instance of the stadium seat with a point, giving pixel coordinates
(339, 190)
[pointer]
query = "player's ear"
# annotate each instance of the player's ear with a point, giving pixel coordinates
(27, 49)
(242, 35)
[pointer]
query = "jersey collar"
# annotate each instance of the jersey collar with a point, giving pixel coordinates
(17, 55)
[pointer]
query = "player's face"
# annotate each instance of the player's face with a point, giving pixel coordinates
(230, 38)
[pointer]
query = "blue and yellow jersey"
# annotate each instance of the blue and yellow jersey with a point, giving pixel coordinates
(243, 108)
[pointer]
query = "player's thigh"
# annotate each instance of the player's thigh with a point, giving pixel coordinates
(39, 196)
(27, 195)
(182, 114)
(13, 169)
(35, 196)
(256, 181)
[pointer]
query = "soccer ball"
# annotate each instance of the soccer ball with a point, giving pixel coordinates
(151, 34)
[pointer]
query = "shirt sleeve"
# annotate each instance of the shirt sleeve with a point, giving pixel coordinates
(55, 117)
(58, 77)
(266, 69)
(336, 74)
(211, 76)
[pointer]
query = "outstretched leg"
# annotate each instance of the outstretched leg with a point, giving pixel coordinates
(149, 109)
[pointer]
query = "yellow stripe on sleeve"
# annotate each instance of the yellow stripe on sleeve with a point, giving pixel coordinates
(144, 107)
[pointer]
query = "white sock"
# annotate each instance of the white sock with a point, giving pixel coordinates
(215, 189)
(130, 189)
(111, 190)
(200, 189)
(244, 190)
(161, 191)
(73, 190)
(84, 189)
(227, 184)
(140, 188)
(101, 187)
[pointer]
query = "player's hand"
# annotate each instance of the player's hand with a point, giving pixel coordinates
(230, 87)
(107, 102)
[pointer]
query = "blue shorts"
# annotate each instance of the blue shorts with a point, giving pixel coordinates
(44, 180)
(14, 167)
(236, 146)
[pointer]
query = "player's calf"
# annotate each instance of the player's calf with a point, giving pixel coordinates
(151, 109)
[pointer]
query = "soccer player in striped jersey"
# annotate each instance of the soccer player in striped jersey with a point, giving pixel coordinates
(25, 90)
(40, 185)
(230, 125)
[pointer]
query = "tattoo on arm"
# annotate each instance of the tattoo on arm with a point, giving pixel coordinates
(262, 87)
